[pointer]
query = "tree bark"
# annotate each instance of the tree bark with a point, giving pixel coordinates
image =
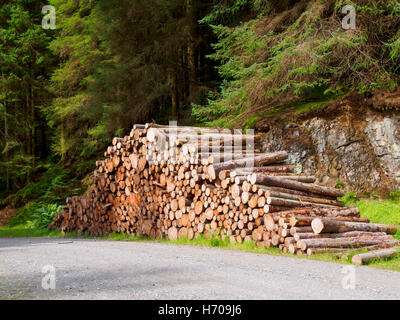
(174, 96)
(327, 226)
(6, 155)
(191, 50)
(364, 258)
(339, 243)
(267, 158)
(307, 221)
(302, 199)
(290, 184)
(351, 234)
(293, 203)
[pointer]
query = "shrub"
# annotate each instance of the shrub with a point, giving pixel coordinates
(301, 54)
(24, 214)
(43, 216)
(349, 198)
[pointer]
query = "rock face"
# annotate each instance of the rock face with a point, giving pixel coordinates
(349, 142)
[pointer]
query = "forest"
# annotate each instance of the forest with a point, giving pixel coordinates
(108, 64)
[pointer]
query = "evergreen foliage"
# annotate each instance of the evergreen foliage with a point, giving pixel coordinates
(301, 54)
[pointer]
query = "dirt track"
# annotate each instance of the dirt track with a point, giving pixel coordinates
(87, 269)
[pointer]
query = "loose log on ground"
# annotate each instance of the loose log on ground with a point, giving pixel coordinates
(364, 258)
(339, 243)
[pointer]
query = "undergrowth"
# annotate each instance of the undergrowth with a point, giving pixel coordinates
(301, 56)
(38, 200)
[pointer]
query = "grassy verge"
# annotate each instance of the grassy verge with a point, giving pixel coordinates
(378, 211)
(23, 232)
(386, 211)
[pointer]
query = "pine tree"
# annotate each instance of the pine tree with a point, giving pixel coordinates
(25, 63)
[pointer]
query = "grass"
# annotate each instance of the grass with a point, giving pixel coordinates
(378, 211)
(386, 211)
(21, 231)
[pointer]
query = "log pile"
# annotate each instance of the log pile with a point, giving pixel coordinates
(170, 181)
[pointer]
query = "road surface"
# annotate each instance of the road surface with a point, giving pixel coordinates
(90, 269)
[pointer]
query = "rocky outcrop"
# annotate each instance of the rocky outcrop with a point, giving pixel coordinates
(349, 142)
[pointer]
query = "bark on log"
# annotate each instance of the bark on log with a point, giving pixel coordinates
(307, 221)
(364, 258)
(294, 203)
(289, 184)
(267, 158)
(302, 199)
(327, 225)
(351, 234)
(339, 243)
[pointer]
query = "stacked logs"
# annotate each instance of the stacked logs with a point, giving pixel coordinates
(299, 216)
(185, 182)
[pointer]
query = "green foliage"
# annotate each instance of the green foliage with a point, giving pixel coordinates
(71, 113)
(227, 12)
(349, 198)
(53, 186)
(24, 214)
(65, 93)
(394, 195)
(304, 107)
(22, 231)
(25, 65)
(384, 211)
(283, 59)
(339, 184)
(43, 216)
(379, 211)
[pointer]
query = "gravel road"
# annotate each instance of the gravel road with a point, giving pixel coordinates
(90, 269)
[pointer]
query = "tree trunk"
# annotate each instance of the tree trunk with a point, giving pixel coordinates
(62, 141)
(379, 254)
(302, 199)
(307, 221)
(290, 184)
(191, 50)
(340, 242)
(267, 158)
(6, 154)
(351, 234)
(174, 96)
(327, 226)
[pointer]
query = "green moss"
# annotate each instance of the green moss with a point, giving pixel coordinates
(310, 106)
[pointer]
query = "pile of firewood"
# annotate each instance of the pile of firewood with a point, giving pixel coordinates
(185, 182)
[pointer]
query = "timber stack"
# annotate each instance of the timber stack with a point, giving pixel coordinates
(174, 181)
